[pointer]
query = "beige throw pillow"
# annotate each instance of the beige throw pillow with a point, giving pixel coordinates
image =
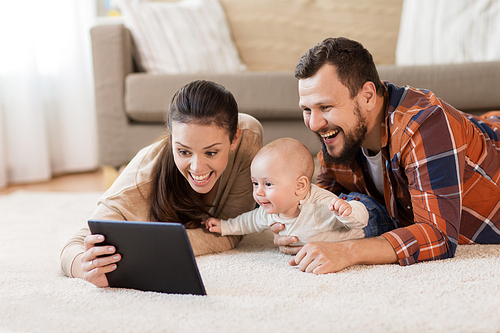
(186, 36)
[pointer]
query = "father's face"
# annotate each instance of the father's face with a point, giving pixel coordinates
(330, 113)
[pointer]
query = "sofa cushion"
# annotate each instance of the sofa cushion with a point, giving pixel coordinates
(466, 87)
(263, 95)
(271, 35)
(187, 36)
(448, 31)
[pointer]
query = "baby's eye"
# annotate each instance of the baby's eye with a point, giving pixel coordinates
(268, 184)
(255, 184)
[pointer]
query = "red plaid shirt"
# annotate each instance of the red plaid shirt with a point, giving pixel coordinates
(441, 176)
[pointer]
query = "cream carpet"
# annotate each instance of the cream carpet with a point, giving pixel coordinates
(250, 289)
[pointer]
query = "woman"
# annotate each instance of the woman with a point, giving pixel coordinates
(201, 169)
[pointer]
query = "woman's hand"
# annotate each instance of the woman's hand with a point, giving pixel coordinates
(96, 261)
(284, 242)
(213, 225)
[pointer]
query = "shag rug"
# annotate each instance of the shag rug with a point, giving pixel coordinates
(250, 289)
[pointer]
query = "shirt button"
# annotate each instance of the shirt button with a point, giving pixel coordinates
(408, 207)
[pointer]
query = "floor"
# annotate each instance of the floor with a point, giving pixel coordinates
(88, 181)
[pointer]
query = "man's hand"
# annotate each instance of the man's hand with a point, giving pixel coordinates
(324, 257)
(284, 242)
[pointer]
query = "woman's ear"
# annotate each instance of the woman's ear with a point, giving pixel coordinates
(236, 139)
(302, 185)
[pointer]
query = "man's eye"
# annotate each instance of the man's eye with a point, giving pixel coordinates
(326, 107)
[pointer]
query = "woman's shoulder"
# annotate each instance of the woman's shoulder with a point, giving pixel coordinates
(251, 138)
(138, 172)
(252, 134)
(249, 123)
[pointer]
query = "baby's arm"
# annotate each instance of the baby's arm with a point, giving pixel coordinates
(352, 214)
(340, 207)
(213, 225)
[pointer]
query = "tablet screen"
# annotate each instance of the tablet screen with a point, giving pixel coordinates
(156, 256)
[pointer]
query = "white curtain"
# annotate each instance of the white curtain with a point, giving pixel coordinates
(448, 31)
(47, 118)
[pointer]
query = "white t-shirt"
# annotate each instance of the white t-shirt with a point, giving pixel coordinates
(375, 169)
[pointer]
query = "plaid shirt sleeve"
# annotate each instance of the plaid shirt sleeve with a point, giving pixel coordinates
(432, 150)
(325, 179)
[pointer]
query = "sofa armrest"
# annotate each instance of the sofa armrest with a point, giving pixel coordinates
(112, 59)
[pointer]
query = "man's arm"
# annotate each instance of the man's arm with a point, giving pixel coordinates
(324, 257)
(434, 162)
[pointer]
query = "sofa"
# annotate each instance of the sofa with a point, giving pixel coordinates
(130, 104)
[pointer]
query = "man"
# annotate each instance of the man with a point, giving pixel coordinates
(436, 169)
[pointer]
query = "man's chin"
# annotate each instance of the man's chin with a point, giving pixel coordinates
(344, 159)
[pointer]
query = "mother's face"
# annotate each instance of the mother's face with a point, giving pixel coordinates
(201, 153)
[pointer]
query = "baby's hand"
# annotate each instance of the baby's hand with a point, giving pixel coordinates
(213, 225)
(340, 207)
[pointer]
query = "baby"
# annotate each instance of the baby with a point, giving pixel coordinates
(281, 176)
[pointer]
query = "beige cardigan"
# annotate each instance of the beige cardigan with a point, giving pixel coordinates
(125, 199)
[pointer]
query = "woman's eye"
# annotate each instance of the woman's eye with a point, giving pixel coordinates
(211, 153)
(183, 152)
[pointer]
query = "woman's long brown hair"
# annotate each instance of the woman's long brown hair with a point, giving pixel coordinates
(201, 102)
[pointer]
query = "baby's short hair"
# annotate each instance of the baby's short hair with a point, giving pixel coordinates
(298, 157)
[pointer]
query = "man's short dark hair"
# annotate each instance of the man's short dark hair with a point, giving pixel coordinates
(354, 64)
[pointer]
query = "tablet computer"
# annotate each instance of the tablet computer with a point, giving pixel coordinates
(156, 256)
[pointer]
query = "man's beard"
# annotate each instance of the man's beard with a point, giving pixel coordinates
(352, 143)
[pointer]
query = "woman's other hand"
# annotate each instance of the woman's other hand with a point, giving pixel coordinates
(213, 225)
(284, 242)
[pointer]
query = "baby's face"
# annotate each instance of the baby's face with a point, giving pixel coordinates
(274, 187)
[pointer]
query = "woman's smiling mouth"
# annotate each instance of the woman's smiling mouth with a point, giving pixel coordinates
(201, 179)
